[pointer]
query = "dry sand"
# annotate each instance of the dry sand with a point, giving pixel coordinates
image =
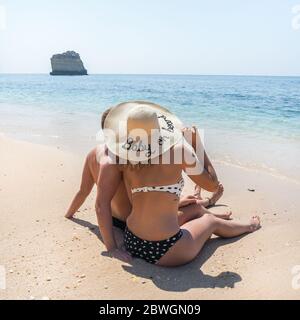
(48, 256)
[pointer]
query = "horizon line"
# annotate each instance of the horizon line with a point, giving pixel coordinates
(161, 74)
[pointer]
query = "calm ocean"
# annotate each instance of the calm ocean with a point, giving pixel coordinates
(250, 121)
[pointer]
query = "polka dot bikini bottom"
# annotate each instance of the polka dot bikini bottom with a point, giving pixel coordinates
(150, 251)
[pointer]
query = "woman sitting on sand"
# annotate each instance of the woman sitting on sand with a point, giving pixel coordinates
(153, 232)
(190, 207)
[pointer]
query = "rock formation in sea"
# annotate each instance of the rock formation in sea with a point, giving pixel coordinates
(67, 64)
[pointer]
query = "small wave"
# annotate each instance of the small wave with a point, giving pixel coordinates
(257, 168)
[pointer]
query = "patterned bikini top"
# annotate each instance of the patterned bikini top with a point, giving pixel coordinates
(172, 188)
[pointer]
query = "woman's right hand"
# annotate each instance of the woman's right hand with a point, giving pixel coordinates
(120, 254)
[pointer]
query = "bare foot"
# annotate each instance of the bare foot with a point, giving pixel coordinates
(216, 195)
(225, 216)
(254, 224)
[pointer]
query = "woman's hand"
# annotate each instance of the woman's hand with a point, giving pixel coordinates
(120, 254)
(69, 215)
(187, 200)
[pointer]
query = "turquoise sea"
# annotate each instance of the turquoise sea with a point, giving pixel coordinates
(248, 121)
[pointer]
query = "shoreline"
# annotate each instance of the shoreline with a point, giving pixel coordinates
(48, 256)
(58, 142)
(251, 121)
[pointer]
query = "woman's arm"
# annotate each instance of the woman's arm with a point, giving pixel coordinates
(107, 185)
(195, 169)
(192, 136)
(86, 186)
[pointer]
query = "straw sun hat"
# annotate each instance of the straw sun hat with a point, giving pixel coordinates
(139, 131)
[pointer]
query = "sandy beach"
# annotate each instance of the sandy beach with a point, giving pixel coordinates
(49, 257)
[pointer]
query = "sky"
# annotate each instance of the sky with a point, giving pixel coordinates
(258, 37)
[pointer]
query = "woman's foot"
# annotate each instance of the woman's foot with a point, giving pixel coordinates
(216, 195)
(225, 216)
(254, 224)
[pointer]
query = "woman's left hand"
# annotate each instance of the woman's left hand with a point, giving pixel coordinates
(187, 200)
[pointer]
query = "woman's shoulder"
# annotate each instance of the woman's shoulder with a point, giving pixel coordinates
(103, 156)
(99, 151)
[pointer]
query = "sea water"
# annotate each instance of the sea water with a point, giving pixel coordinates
(248, 121)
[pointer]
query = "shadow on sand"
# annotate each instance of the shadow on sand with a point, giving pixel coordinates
(181, 278)
(86, 224)
(188, 276)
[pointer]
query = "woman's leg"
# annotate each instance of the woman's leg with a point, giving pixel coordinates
(198, 231)
(87, 183)
(230, 229)
(194, 211)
